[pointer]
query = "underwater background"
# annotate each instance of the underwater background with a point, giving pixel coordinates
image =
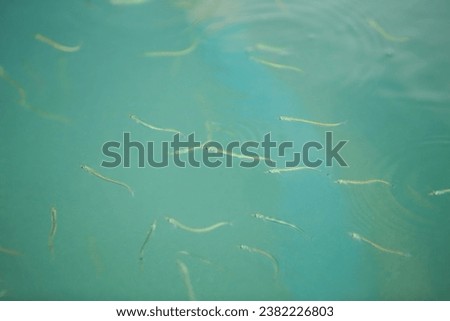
(373, 73)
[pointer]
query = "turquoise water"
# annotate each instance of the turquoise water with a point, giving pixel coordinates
(229, 70)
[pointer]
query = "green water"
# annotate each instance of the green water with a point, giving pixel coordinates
(381, 67)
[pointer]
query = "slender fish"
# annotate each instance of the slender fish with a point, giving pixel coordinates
(375, 26)
(24, 102)
(369, 181)
(194, 229)
(9, 251)
(54, 226)
(288, 169)
(301, 120)
(276, 65)
(178, 53)
(263, 253)
(93, 172)
(187, 279)
(269, 49)
(3, 293)
(126, 2)
(55, 44)
(147, 238)
(440, 192)
(143, 123)
(358, 237)
(215, 150)
(195, 256)
(275, 220)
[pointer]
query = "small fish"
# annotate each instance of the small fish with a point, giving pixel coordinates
(141, 122)
(187, 279)
(263, 253)
(369, 181)
(235, 155)
(93, 172)
(195, 256)
(375, 26)
(440, 192)
(301, 120)
(127, 2)
(24, 102)
(275, 65)
(3, 293)
(147, 238)
(288, 169)
(95, 255)
(269, 49)
(186, 150)
(194, 229)
(275, 220)
(178, 53)
(52, 233)
(22, 94)
(210, 128)
(358, 237)
(56, 45)
(9, 251)
(213, 149)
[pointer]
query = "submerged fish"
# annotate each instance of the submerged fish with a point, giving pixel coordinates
(358, 237)
(288, 169)
(195, 256)
(276, 65)
(196, 229)
(143, 123)
(178, 53)
(263, 253)
(9, 251)
(440, 192)
(23, 101)
(3, 293)
(93, 172)
(301, 120)
(275, 220)
(375, 26)
(54, 226)
(55, 44)
(268, 48)
(127, 2)
(147, 238)
(369, 181)
(187, 279)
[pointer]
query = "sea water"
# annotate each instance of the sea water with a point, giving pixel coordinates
(225, 70)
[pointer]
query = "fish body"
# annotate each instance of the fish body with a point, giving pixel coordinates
(358, 237)
(353, 182)
(312, 122)
(96, 174)
(55, 44)
(277, 221)
(263, 253)
(440, 192)
(207, 229)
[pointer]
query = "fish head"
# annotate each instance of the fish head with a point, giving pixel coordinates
(257, 215)
(170, 220)
(354, 235)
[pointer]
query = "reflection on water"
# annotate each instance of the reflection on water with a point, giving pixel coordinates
(373, 73)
